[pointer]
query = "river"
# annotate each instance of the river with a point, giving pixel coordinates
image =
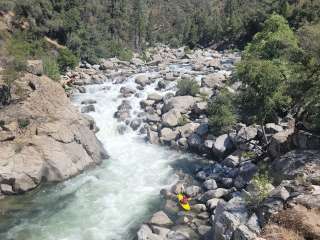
(108, 202)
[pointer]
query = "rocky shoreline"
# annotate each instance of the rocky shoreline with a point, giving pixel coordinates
(232, 198)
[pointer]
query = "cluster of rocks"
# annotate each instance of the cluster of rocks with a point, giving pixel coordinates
(228, 202)
(43, 137)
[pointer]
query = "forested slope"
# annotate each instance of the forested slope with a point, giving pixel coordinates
(98, 28)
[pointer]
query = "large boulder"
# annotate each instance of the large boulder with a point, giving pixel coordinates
(161, 219)
(188, 129)
(195, 142)
(153, 137)
(272, 128)
(145, 233)
(153, 117)
(142, 80)
(222, 145)
(229, 216)
(35, 67)
(200, 108)
(247, 133)
(137, 62)
(167, 135)
(181, 104)
(297, 163)
(306, 140)
(56, 142)
(245, 174)
(171, 118)
(213, 80)
(107, 65)
(155, 97)
(280, 143)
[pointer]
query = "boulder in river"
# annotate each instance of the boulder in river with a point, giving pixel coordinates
(167, 135)
(161, 219)
(155, 97)
(171, 118)
(88, 108)
(182, 104)
(142, 80)
(56, 142)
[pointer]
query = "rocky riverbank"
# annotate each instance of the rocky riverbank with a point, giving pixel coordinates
(234, 197)
(43, 138)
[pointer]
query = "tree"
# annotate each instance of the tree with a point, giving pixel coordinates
(305, 89)
(66, 59)
(265, 71)
(139, 22)
(221, 113)
(276, 40)
(263, 93)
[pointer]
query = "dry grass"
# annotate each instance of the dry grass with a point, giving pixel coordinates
(276, 232)
(295, 223)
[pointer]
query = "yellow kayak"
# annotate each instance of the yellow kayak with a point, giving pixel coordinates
(184, 206)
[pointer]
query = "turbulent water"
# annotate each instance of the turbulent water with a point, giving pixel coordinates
(107, 203)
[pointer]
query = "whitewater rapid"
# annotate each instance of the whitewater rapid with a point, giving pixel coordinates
(108, 202)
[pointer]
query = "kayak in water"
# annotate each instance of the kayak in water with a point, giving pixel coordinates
(184, 202)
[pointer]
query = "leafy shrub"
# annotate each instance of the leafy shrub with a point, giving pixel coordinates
(12, 71)
(6, 5)
(23, 122)
(248, 155)
(116, 49)
(187, 87)
(51, 68)
(221, 113)
(66, 59)
(261, 183)
(125, 54)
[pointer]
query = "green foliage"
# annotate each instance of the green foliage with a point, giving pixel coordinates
(248, 155)
(221, 113)
(261, 184)
(276, 40)
(187, 87)
(265, 71)
(305, 87)
(23, 122)
(51, 67)
(10, 74)
(66, 59)
(6, 5)
(89, 27)
(263, 93)
(125, 54)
